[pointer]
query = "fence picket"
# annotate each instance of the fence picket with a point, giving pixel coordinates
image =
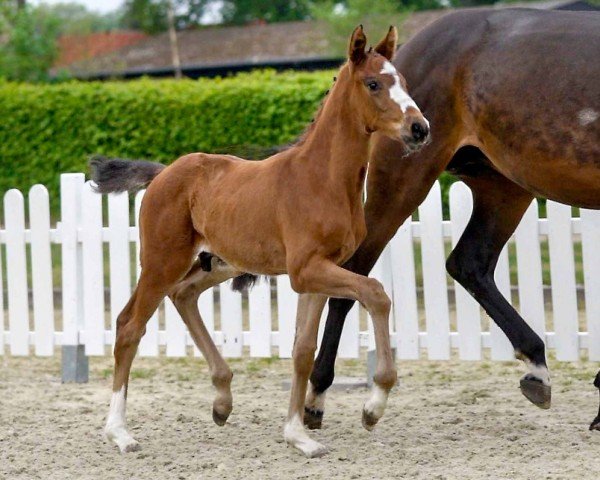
(175, 331)
(590, 239)
(286, 315)
(529, 270)
(93, 274)
(562, 274)
(71, 187)
(406, 313)
(259, 311)
(468, 313)
(349, 342)
(231, 320)
(16, 272)
(434, 276)
(149, 343)
(41, 270)
(119, 255)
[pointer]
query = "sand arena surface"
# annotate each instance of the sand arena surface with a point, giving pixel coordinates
(446, 420)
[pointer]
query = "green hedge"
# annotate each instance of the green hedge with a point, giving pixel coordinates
(46, 130)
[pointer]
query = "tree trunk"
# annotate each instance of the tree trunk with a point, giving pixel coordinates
(21, 4)
(173, 41)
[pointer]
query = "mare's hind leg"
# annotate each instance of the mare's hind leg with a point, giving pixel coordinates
(595, 425)
(498, 207)
(185, 297)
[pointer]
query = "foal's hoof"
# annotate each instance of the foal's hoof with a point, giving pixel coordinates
(595, 425)
(220, 418)
(130, 447)
(536, 392)
(313, 418)
(369, 420)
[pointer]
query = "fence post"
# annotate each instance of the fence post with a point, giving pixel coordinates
(75, 366)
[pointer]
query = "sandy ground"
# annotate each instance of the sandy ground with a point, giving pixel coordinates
(450, 420)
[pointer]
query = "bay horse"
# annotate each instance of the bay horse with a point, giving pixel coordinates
(513, 97)
(298, 212)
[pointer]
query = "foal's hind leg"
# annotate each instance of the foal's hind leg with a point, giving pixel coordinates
(131, 325)
(308, 315)
(498, 207)
(185, 297)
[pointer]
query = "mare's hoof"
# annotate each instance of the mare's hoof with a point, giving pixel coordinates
(313, 418)
(595, 425)
(369, 420)
(220, 418)
(536, 392)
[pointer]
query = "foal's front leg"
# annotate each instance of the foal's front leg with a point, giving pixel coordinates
(308, 315)
(324, 277)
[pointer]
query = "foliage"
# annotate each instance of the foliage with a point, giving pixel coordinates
(74, 18)
(340, 19)
(52, 129)
(151, 15)
(244, 11)
(147, 15)
(29, 45)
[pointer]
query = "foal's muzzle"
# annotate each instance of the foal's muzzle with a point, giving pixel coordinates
(418, 135)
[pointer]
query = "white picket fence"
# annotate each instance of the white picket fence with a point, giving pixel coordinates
(86, 320)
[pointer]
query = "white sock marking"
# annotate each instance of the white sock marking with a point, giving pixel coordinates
(115, 429)
(539, 371)
(295, 435)
(375, 405)
(315, 401)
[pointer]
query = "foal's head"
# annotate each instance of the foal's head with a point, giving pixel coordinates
(379, 91)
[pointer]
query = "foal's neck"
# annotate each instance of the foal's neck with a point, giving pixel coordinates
(336, 147)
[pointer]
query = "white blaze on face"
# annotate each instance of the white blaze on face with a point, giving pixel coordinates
(397, 93)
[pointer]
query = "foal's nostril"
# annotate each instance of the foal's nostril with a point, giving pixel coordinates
(419, 131)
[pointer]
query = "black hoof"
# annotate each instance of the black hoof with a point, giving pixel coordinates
(219, 418)
(313, 418)
(368, 420)
(536, 392)
(595, 425)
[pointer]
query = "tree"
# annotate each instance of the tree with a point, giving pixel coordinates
(151, 16)
(244, 11)
(342, 18)
(29, 46)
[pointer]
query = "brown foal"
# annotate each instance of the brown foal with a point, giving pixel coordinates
(299, 212)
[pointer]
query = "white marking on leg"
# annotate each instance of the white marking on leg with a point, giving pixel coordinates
(314, 400)
(538, 371)
(397, 93)
(375, 406)
(295, 435)
(115, 429)
(587, 116)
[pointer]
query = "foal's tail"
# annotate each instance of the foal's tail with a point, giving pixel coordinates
(118, 175)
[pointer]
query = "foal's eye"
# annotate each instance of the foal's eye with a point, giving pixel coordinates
(373, 85)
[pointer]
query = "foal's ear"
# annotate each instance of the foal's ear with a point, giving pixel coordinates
(358, 42)
(387, 46)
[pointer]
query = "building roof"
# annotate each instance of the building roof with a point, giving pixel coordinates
(76, 48)
(214, 48)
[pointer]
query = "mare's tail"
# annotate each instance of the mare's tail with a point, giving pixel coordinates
(118, 175)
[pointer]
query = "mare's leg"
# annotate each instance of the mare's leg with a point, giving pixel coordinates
(185, 297)
(595, 425)
(308, 314)
(321, 276)
(498, 207)
(395, 188)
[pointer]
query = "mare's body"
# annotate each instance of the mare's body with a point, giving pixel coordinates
(513, 97)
